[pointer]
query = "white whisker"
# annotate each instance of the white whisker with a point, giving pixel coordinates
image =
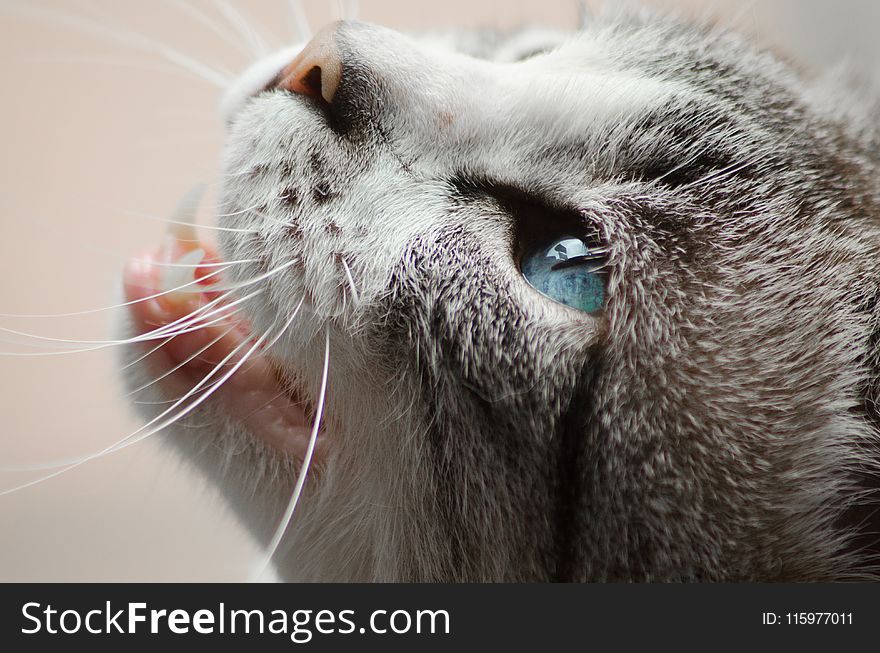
(261, 277)
(211, 24)
(132, 62)
(172, 54)
(193, 321)
(269, 218)
(354, 293)
(139, 435)
(182, 364)
(714, 175)
(243, 27)
(240, 212)
(298, 18)
(151, 335)
(134, 437)
(224, 308)
(180, 288)
(585, 14)
(119, 34)
(223, 264)
(147, 216)
(306, 463)
(348, 9)
(148, 354)
(127, 440)
(90, 311)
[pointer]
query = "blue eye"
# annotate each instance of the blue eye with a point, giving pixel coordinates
(568, 271)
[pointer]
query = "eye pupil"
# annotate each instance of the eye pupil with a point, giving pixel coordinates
(567, 271)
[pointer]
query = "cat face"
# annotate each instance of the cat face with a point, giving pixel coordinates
(700, 417)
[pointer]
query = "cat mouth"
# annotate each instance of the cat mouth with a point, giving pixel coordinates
(201, 354)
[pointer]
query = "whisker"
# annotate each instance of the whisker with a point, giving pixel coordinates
(185, 323)
(149, 353)
(76, 462)
(271, 219)
(138, 435)
(198, 316)
(249, 282)
(234, 286)
(211, 24)
(107, 344)
(181, 364)
(348, 9)
(219, 264)
(179, 288)
(735, 21)
(714, 175)
(300, 23)
(243, 27)
(682, 165)
(147, 216)
(197, 354)
(224, 309)
(132, 62)
(240, 212)
(306, 463)
(585, 14)
(354, 293)
(171, 53)
(90, 311)
(129, 38)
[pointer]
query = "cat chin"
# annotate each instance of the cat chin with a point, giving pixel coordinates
(289, 429)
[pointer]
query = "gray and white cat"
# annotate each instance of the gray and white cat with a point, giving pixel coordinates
(598, 307)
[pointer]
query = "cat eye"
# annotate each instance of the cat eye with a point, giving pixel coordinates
(568, 270)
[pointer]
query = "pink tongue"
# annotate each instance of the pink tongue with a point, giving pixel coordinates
(253, 394)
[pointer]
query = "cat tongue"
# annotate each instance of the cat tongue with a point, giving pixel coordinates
(167, 287)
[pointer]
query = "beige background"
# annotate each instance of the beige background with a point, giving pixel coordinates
(93, 133)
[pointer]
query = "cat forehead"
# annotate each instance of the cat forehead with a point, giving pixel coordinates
(552, 80)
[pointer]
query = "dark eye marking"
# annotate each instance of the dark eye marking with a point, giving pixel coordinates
(468, 188)
(685, 169)
(679, 146)
(671, 146)
(559, 254)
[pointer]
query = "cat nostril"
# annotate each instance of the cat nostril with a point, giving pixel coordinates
(316, 70)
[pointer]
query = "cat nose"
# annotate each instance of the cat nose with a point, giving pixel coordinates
(317, 70)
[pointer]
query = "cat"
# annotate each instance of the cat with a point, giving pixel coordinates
(597, 306)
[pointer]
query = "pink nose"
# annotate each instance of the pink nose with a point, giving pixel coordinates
(317, 70)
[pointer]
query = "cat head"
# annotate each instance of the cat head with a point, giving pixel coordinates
(601, 306)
